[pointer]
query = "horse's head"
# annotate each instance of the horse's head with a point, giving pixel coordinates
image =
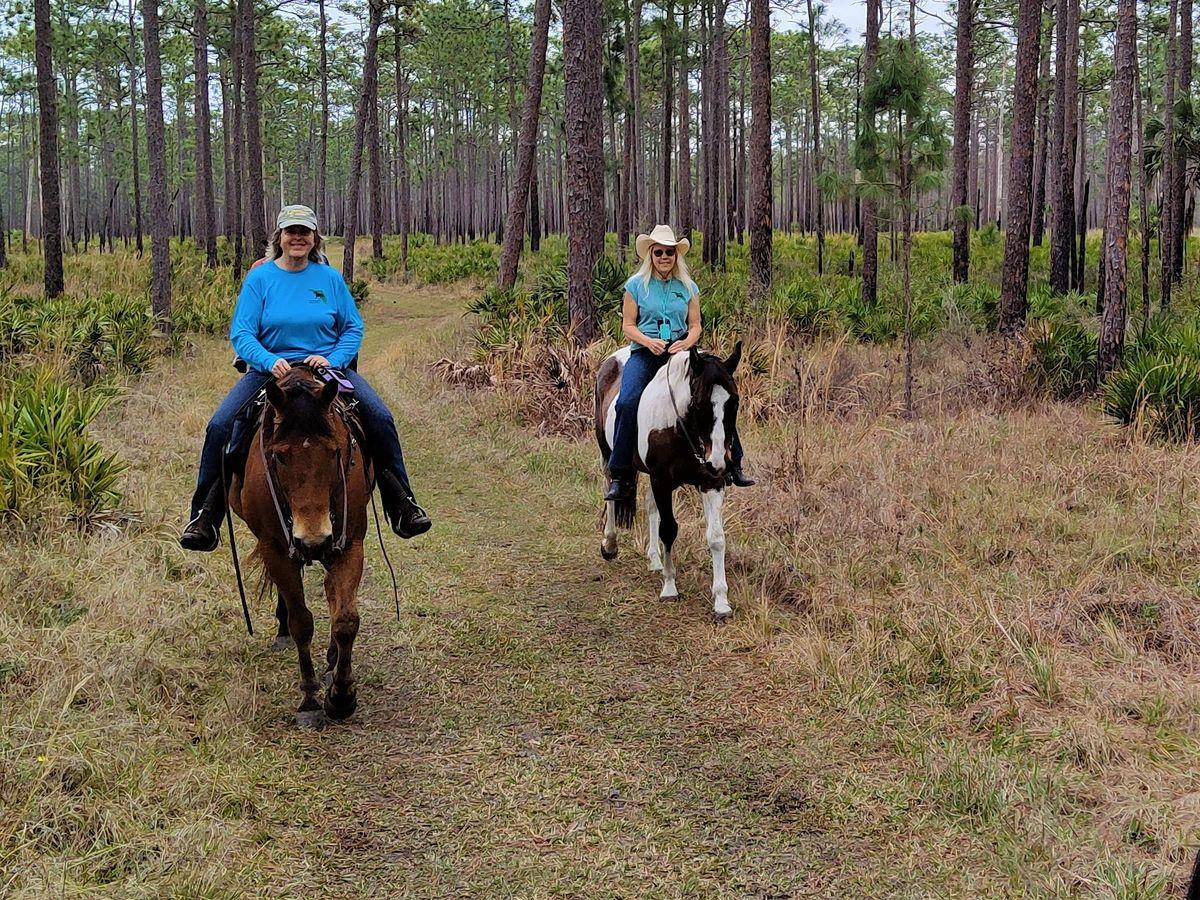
(712, 412)
(302, 442)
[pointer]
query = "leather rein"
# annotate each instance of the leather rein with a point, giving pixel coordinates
(681, 425)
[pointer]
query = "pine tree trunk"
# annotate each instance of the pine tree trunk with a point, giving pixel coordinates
(685, 133)
(518, 202)
(964, 73)
(816, 137)
(206, 207)
(255, 202)
(375, 172)
(52, 250)
(1168, 230)
(322, 199)
(760, 149)
(365, 100)
(227, 212)
(1179, 170)
(870, 222)
(668, 133)
(1143, 198)
(1038, 224)
(582, 72)
(404, 200)
(1116, 213)
(1065, 82)
(1015, 276)
(160, 222)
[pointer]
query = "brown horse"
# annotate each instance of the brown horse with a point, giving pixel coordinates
(304, 494)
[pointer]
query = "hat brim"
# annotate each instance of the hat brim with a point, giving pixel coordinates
(287, 223)
(644, 242)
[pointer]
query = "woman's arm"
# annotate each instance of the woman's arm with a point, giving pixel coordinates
(693, 334)
(350, 326)
(243, 329)
(629, 317)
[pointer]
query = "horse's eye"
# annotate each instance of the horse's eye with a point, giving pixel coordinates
(280, 457)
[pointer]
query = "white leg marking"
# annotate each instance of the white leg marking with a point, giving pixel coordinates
(716, 546)
(716, 456)
(653, 544)
(609, 545)
(669, 591)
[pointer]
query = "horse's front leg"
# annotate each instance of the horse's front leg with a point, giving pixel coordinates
(283, 640)
(653, 544)
(608, 546)
(713, 501)
(341, 590)
(288, 578)
(668, 529)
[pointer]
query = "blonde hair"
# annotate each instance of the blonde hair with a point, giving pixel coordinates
(316, 254)
(679, 270)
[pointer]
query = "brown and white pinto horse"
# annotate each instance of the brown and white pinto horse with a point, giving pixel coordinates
(685, 419)
(304, 495)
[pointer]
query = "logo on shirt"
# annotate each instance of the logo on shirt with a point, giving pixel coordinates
(318, 295)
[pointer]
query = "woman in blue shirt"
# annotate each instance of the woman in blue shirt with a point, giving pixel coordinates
(295, 308)
(660, 314)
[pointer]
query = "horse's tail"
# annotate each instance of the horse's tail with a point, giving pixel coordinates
(624, 508)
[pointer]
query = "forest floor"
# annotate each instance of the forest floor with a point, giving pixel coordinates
(537, 724)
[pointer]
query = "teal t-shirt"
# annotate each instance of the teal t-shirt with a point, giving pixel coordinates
(660, 302)
(291, 315)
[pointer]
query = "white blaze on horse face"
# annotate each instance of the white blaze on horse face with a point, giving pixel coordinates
(716, 457)
(656, 411)
(713, 501)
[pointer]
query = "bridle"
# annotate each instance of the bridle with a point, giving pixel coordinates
(283, 511)
(681, 423)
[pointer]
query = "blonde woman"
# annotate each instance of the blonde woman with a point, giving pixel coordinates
(660, 314)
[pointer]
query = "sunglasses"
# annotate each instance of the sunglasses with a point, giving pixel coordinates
(298, 230)
(660, 252)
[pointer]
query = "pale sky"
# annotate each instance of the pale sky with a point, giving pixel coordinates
(853, 14)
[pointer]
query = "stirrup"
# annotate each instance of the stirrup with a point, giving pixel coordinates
(200, 534)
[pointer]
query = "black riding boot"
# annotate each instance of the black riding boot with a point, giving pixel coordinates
(203, 533)
(400, 509)
(735, 476)
(620, 487)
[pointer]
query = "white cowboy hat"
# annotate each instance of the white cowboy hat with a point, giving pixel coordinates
(662, 234)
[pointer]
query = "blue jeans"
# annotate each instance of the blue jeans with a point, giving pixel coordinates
(639, 371)
(382, 439)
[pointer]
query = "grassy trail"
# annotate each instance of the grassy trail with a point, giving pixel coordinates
(537, 724)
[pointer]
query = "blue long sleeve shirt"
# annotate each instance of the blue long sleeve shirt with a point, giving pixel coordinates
(292, 315)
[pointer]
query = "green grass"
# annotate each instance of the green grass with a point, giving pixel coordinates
(962, 664)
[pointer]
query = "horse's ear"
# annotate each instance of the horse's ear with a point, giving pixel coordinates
(694, 360)
(329, 392)
(275, 395)
(734, 358)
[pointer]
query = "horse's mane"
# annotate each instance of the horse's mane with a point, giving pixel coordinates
(306, 414)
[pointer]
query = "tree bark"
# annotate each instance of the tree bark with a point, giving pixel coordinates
(685, 132)
(322, 199)
(1116, 214)
(760, 148)
(1063, 218)
(1179, 184)
(52, 251)
(375, 173)
(1015, 276)
(160, 222)
(668, 134)
(1043, 130)
(816, 137)
(518, 201)
(1168, 230)
(964, 74)
(206, 206)
(404, 202)
(365, 99)
(582, 72)
(255, 202)
(870, 223)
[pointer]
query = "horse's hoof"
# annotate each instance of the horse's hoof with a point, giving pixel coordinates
(722, 618)
(283, 642)
(668, 598)
(311, 719)
(609, 555)
(341, 708)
